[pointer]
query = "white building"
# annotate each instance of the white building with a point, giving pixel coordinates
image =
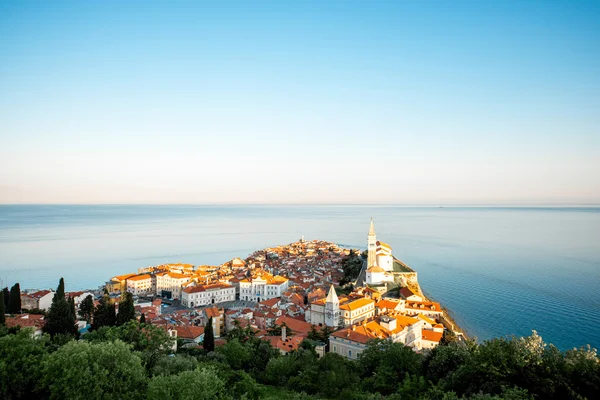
(263, 287)
(334, 312)
(356, 311)
(41, 299)
(78, 297)
(379, 260)
(351, 341)
(325, 311)
(140, 285)
(201, 295)
(169, 284)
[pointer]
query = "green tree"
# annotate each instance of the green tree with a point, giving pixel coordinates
(61, 317)
(202, 383)
(174, 364)
(151, 341)
(60, 290)
(383, 364)
(14, 301)
(351, 266)
(143, 318)
(20, 359)
(6, 295)
(86, 308)
(239, 333)
(82, 370)
(126, 309)
(209, 337)
(236, 354)
(2, 311)
(104, 313)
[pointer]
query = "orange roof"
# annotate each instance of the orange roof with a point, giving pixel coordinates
(357, 333)
(426, 319)
(203, 288)
(423, 305)
(356, 304)
(189, 331)
(139, 277)
(212, 312)
(388, 304)
(175, 275)
(403, 321)
(297, 326)
(375, 268)
(270, 302)
(432, 336)
(290, 343)
(123, 277)
(40, 294)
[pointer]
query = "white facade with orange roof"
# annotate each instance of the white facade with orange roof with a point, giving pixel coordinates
(356, 310)
(263, 287)
(171, 282)
(351, 341)
(384, 256)
(201, 295)
(140, 285)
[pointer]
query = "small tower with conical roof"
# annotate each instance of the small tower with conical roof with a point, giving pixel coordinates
(332, 309)
(372, 246)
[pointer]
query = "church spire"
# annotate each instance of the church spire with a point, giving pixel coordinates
(372, 228)
(332, 296)
(371, 246)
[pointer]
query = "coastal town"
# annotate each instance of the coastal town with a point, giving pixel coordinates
(293, 290)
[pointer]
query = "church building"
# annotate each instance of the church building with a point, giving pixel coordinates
(380, 261)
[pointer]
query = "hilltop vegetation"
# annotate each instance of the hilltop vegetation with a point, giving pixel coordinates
(133, 361)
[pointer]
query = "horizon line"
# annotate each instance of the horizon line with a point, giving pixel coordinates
(424, 205)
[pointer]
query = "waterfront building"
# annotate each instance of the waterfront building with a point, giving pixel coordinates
(118, 284)
(379, 260)
(140, 285)
(408, 294)
(168, 284)
(202, 295)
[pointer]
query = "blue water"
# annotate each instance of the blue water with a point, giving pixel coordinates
(501, 271)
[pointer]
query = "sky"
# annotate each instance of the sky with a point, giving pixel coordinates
(370, 102)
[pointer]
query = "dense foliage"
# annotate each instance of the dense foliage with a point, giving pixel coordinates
(134, 361)
(14, 300)
(351, 265)
(61, 316)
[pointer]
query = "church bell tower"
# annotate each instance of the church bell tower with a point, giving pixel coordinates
(371, 246)
(332, 309)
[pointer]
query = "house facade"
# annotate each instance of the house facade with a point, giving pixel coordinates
(202, 295)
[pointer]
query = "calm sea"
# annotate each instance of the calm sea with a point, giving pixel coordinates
(501, 271)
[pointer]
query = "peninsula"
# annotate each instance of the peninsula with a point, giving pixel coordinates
(304, 286)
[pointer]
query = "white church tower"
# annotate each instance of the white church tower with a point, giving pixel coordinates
(332, 309)
(372, 247)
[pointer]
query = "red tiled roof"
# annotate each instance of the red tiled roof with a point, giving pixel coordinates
(297, 326)
(431, 335)
(189, 331)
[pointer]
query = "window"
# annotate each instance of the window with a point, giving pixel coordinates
(350, 353)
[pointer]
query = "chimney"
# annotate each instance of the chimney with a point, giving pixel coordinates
(283, 333)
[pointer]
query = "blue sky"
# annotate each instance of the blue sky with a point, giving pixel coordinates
(449, 102)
